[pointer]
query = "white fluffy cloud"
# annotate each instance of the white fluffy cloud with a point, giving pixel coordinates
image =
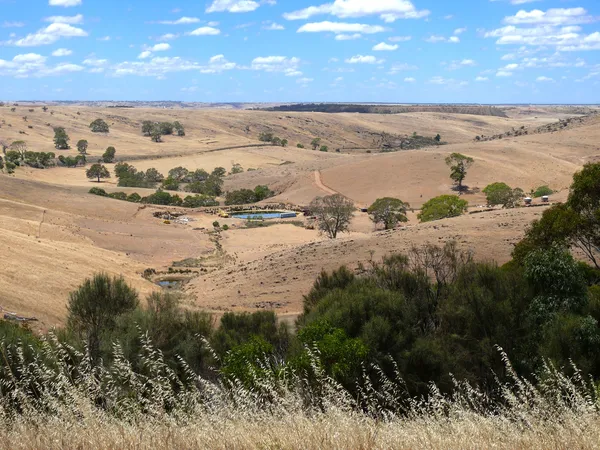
(289, 66)
(64, 3)
(387, 10)
(62, 52)
(71, 20)
(181, 21)
(48, 35)
(159, 67)
(434, 39)
(34, 65)
(347, 37)
(340, 27)
(364, 59)
(481, 79)
(409, 80)
(272, 26)
(233, 6)
(205, 31)
(543, 79)
(454, 65)
(399, 38)
(553, 16)
(161, 47)
(385, 47)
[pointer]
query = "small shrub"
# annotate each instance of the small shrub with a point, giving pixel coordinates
(542, 191)
(98, 191)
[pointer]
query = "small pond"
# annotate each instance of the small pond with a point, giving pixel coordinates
(263, 215)
(169, 284)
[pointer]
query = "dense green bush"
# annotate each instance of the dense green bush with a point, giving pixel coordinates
(541, 191)
(197, 201)
(442, 207)
(161, 197)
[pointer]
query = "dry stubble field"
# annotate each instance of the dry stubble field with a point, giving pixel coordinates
(55, 234)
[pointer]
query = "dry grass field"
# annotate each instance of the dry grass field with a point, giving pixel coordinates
(54, 234)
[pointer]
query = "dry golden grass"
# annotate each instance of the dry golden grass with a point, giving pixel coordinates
(334, 430)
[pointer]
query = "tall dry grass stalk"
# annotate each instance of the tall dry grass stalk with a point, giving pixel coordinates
(56, 399)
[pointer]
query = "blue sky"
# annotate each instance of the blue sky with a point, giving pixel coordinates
(502, 51)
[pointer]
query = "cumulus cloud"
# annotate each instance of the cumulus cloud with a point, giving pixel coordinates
(233, 6)
(434, 39)
(62, 52)
(145, 54)
(340, 27)
(71, 20)
(347, 37)
(159, 67)
(396, 68)
(205, 31)
(387, 10)
(480, 79)
(48, 35)
(34, 65)
(447, 81)
(454, 65)
(273, 27)
(168, 37)
(64, 3)
(364, 59)
(181, 21)
(543, 79)
(553, 16)
(161, 47)
(383, 47)
(289, 66)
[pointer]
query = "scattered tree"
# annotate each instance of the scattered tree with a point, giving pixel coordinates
(237, 168)
(324, 148)
(299, 145)
(389, 211)
(438, 138)
(503, 194)
(94, 307)
(20, 147)
(109, 155)
(265, 137)
(459, 164)
(179, 174)
(154, 176)
(542, 191)
(315, 143)
(99, 126)
(284, 142)
(155, 135)
(219, 172)
(442, 207)
(170, 184)
(97, 171)
(82, 146)
(333, 213)
(61, 139)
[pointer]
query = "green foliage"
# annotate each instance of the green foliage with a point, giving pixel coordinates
(389, 211)
(438, 138)
(216, 224)
(170, 184)
(161, 197)
(276, 141)
(197, 201)
(179, 174)
(98, 191)
(542, 191)
(109, 155)
(265, 137)
(61, 139)
(41, 160)
(82, 146)
(324, 148)
(503, 194)
(10, 167)
(237, 168)
(574, 224)
(219, 172)
(442, 207)
(225, 227)
(300, 145)
(198, 175)
(97, 171)
(118, 195)
(262, 193)
(179, 129)
(459, 164)
(284, 142)
(333, 213)
(166, 128)
(134, 198)
(71, 161)
(240, 197)
(315, 143)
(99, 126)
(147, 127)
(95, 305)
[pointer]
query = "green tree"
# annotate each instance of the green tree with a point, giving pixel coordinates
(503, 194)
(459, 164)
(315, 143)
(61, 139)
(265, 136)
(542, 191)
(240, 197)
(199, 175)
(334, 214)
(99, 126)
(170, 184)
(94, 307)
(276, 141)
(237, 168)
(442, 207)
(389, 211)
(219, 172)
(262, 192)
(97, 171)
(324, 148)
(166, 128)
(179, 173)
(20, 147)
(147, 127)
(438, 138)
(179, 128)
(109, 155)
(134, 198)
(300, 145)
(155, 134)
(154, 176)
(284, 142)
(82, 146)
